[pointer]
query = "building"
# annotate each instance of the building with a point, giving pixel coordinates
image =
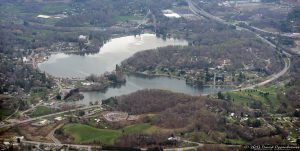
(83, 38)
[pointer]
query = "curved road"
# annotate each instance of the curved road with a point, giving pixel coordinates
(200, 12)
(49, 115)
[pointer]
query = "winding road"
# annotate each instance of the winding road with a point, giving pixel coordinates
(198, 12)
(287, 62)
(49, 115)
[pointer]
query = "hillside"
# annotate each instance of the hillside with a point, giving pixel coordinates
(196, 118)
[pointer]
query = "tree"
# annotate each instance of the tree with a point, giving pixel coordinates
(221, 96)
(228, 97)
(81, 113)
(58, 97)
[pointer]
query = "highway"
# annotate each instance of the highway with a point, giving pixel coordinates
(88, 147)
(291, 35)
(49, 115)
(200, 12)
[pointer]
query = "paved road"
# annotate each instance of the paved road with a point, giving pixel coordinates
(51, 134)
(198, 11)
(88, 147)
(11, 114)
(291, 35)
(195, 9)
(49, 115)
(23, 112)
(272, 77)
(198, 145)
(185, 148)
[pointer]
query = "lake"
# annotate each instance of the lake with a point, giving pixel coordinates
(112, 53)
(135, 83)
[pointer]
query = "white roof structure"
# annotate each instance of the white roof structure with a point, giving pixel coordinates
(44, 16)
(170, 14)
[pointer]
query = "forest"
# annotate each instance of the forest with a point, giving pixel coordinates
(198, 118)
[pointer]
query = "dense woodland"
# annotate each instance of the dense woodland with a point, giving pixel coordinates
(192, 115)
(200, 119)
(102, 82)
(201, 57)
(15, 74)
(281, 19)
(209, 45)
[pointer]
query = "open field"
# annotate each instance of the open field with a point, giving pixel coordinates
(5, 113)
(41, 110)
(127, 18)
(265, 95)
(83, 133)
(137, 128)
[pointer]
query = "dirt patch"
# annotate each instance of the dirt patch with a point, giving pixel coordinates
(133, 117)
(115, 116)
(35, 133)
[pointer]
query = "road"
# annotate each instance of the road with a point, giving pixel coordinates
(200, 12)
(272, 77)
(193, 7)
(11, 114)
(23, 112)
(49, 115)
(185, 148)
(88, 147)
(291, 35)
(51, 134)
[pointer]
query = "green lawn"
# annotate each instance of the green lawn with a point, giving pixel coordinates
(35, 97)
(41, 110)
(235, 141)
(137, 128)
(126, 18)
(245, 96)
(84, 133)
(5, 113)
(54, 8)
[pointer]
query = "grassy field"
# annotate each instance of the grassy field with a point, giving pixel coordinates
(137, 128)
(245, 96)
(41, 110)
(84, 133)
(127, 18)
(35, 97)
(54, 8)
(235, 141)
(5, 113)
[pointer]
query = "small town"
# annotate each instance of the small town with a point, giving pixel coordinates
(149, 75)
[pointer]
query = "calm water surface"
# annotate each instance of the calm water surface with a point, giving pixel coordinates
(135, 83)
(112, 53)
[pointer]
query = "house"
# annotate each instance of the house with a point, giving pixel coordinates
(83, 38)
(58, 118)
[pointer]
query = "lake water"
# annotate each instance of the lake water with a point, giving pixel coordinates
(135, 83)
(112, 53)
